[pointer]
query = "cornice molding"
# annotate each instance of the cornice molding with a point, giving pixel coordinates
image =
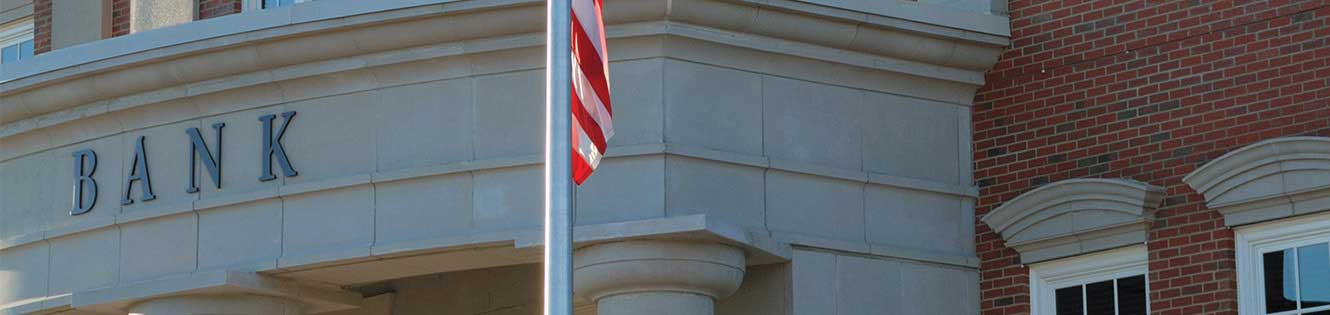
(1267, 180)
(243, 43)
(1076, 216)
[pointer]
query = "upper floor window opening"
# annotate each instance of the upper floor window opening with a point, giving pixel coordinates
(16, 41)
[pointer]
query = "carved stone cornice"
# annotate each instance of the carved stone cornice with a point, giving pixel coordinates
(1268, 180)
(1076, 216)
(193, 54)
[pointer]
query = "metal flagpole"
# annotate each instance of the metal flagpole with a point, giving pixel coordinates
(558, 294)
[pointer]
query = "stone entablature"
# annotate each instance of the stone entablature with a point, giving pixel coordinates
(1076, 216)
(1268, 180)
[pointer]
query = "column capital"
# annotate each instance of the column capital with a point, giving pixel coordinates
(709, 269)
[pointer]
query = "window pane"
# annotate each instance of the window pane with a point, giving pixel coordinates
(1131, 295)
(1279, 286)
(25, 49)
(1099, 298)
(1069, 301)
(9, 54)
(1314, 275)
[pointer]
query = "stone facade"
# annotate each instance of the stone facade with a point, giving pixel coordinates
(1147, 91)
(814, 155)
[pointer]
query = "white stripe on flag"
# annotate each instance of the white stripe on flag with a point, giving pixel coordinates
(591, 102)
(584, 147)
(584, 11)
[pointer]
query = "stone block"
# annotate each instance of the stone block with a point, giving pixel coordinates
(870, 286)
(911, 137)
(812, 122)
(623, 189)
(107, 175)
(423, 208)
(815, 206)
(329, 220)
(813, 286)
(765, 291)
(713, 108)
(939, 290)
(508, 198)
(25, 272)
(25, 200)
(638, 101)
(729, 192)
(167, 151)
(240, 236)
(85, 261)
(158, 247)
(916, 219)
(329, 137)
(425, 124)
(241, 152)
(510, 115)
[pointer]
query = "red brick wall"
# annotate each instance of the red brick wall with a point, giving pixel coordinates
(41, 24)
(1147, 90)
(215, 8)
(119, 17)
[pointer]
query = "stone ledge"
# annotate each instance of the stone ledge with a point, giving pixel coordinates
(118, 299)
(1076, 216)
(522, 246)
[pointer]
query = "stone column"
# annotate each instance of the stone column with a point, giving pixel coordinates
(221, 304)
(650, 277)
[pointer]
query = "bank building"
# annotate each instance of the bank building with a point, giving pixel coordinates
(382, 157)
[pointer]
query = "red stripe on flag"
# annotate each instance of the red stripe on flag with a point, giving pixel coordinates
(589, 60)
(591, 128)
(581, 170)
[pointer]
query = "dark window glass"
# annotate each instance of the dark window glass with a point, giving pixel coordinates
(1099, 298)
(1279, 286)
(25, 49)
(1314, 275)
(1131, 295)
(1069, 301)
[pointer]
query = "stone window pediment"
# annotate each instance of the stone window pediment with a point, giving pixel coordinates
(1268, 180)
(1076, 216)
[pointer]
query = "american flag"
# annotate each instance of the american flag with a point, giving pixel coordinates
(592, 115)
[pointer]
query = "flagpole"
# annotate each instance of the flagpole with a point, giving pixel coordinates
(558, 275)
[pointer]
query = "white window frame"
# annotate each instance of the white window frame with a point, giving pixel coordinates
(1047, 277)
(1255, 240)
(257, 5)
(18, 32)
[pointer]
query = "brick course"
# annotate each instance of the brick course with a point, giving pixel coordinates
(119, 17)
(41, 26)
(1147, 90)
